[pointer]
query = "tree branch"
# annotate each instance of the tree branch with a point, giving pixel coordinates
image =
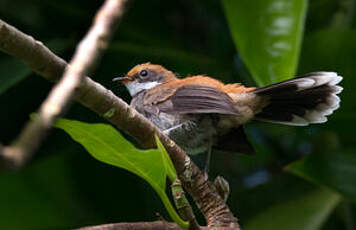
(86, 56)
(105, 103)
(156, 225)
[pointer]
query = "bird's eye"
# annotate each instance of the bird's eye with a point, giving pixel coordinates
(143, 73)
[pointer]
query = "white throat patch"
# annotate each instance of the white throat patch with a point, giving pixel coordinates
(135, 87)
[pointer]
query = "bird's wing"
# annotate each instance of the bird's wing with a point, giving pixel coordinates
(195, 98)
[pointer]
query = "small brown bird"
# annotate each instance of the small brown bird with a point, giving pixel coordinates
(200, 112)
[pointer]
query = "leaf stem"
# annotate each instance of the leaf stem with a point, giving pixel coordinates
(172, 212)
(170, 170)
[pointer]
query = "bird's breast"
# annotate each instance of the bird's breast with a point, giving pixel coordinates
(161, 120)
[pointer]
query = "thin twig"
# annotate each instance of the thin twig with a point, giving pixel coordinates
(105, 103)
(86, 56)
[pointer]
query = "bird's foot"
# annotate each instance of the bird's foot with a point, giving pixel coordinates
(222, 186)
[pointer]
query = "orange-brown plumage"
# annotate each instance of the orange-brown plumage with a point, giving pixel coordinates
(172, 82)
(158, 68)
(195, 109)
(205, 80)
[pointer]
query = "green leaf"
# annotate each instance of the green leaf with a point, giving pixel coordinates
(105, 144)
(171, 171)
(12, 71)
(267, 34)
(308, 212)
(335, 170)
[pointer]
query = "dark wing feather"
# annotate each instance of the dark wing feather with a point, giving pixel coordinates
(198, 99)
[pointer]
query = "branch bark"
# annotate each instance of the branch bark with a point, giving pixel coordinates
(105, 103)
(156, 225)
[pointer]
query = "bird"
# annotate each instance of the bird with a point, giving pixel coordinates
(200, 113)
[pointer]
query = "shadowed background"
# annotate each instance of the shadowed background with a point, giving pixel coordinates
(302, 177)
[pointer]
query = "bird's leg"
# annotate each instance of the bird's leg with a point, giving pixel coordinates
(207, 161)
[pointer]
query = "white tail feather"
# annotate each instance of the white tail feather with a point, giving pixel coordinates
(303, 100)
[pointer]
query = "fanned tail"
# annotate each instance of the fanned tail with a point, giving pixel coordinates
(304, 100)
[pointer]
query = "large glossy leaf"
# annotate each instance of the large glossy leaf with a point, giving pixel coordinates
(107, 145)
(267, 34)
(308, 212)
(337, 170)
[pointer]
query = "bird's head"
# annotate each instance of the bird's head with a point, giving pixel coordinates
(144, 77)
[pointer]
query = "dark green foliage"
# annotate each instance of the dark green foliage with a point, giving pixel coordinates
(307, 212)
(64, 187)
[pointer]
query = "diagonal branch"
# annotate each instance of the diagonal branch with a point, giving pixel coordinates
(156, 225)
(105, 103)
(86, 56)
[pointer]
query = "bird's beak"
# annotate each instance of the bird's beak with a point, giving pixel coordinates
(124, 79)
